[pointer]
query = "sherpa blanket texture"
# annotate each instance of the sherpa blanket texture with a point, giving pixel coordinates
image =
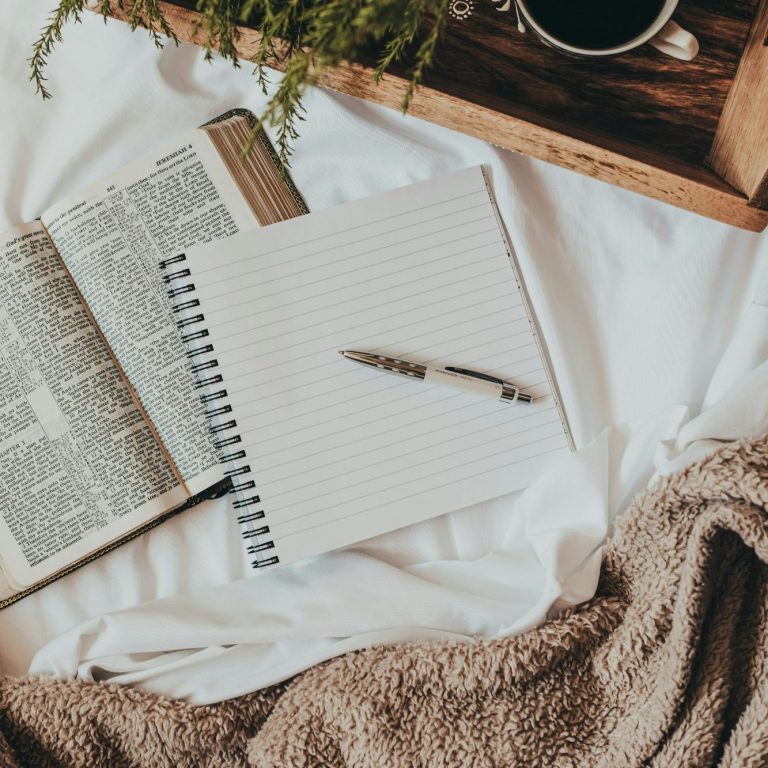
(665, 666)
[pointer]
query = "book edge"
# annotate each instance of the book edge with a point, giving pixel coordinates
(214, 492)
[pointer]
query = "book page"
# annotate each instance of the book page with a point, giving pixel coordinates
(112, 237)
(79, 465)
(337, 451)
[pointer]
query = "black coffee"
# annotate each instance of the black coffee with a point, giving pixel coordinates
(594, 24)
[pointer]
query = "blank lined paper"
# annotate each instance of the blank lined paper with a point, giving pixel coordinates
(340, 452)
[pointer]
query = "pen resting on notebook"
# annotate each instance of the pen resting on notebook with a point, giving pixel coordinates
(459, 378)
(326, 456)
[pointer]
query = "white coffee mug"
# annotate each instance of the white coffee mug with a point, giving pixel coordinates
(664, 34)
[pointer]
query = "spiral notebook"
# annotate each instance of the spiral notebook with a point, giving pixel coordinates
(322, 452)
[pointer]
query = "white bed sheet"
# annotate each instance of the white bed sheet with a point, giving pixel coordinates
(649, 313)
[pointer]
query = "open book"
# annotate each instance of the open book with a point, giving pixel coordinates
(102, 431)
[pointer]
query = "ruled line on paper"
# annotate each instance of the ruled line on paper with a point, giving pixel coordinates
(303, 244)
(392, 383)
(421, 491)
(301, 419)
(239, 348)
(522, 430)
(240, 288)
(403, 354)
(469, 420)
(339, 374)
(376, 291)
(461, 252)
(332, 262)
(450, 469)
(368, 510)
(386, 388)
(515, 315)
(311, 314)
(369, 434)
(444, 394)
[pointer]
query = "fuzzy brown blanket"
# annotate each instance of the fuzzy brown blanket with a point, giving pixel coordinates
(666, 666)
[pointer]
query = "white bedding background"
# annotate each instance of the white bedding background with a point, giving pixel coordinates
(656, 320)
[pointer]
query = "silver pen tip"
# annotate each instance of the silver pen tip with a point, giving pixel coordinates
(341, 351)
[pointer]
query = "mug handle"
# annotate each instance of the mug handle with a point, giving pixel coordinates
(673, 40)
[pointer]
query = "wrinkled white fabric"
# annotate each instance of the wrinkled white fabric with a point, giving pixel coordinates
(648, 311)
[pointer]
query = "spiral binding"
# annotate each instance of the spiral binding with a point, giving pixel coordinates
(218, 411)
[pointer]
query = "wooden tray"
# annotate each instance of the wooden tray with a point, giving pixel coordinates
(693, 134)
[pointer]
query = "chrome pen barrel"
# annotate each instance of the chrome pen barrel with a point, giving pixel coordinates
(460, 378)
(513, 394)
(390, 364)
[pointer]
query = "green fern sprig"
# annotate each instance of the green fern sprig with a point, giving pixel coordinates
(304, 38)
(146, 14)
(68, 10)
(218, 21)
(140, 13)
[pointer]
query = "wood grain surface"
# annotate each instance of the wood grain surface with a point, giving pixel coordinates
(644, 96)
(740, 150)
(642, 121)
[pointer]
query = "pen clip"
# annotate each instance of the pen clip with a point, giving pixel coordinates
(475, 375)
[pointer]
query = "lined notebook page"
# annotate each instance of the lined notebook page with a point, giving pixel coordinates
(340, 452)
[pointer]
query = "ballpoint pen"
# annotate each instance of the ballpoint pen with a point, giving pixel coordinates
(459, 378)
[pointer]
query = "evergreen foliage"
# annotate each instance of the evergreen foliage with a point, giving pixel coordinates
(303, 38)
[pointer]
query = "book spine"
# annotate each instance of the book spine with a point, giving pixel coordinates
(218, 411)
